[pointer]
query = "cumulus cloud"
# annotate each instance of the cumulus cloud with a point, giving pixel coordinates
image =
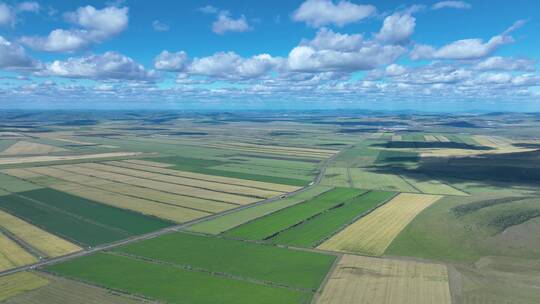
(108, 66)
(7, 16)
(466, 48)
(96, 26)
(397, 28)
(225, 23)
(174, 62)
(505, 63)
(451, 4)
(330, 51)
(229, 65)
(318, 13)
(159, 26)
(13, 56)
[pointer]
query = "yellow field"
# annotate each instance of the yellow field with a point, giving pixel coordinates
(430, 138)
(41, 240)
(365, 280)
(396, 137)
(50, 158)
(12, 255)
(442, 138)
(19, 282)
(233, 189)
(373, 233)
(173, 213)
(212, 178)
(30, 148)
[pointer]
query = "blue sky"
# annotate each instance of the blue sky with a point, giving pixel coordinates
(435, 55)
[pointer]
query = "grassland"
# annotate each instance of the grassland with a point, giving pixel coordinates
(60, 290)
(154, 281)
(363, 280)
(229, 221)
(315, 230)
(298, 269)
(39, 239)
(18, 283)
(373, 233)
(269, 225)
(12, 255)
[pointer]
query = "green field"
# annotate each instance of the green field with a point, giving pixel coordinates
(78, 219)
(172, 284)
(231, 220)
(13, 184)
(298, 269)
(265, 227)
(312, 232)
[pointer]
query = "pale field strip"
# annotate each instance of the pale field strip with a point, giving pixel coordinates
(148, 163)
(18, 283)
(39, 239)
(373, 233)
(174, 213)
(284, 148)
(366, 280)
(430, 138)
(12, 255)
(270, 151)
(73, 141)
(60, 291)
(29, 148)
(53, 158)
(232, 189)
(205, 177)
(79, 180)
(396, 137)
(23, 174)
(144, 206)
(498, 145)
(442, 138)
(168, 187)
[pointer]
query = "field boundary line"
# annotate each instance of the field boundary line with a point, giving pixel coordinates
(410, 184)
(23, 244)
(327, 278)
(204, 270)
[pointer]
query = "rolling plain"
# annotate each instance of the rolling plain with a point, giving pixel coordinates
(330, 207)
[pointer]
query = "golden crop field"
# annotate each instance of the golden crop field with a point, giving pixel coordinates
(292, 149)
(212, 178)
(30, 148)
(88, 169)
(430, 138)
(373, 233)
(365, 280)
(442, 138)
(396, 137)
(20, 282)
(232, 189)
(173, 213)
(51, 158)
(12, 255)
(39, 239)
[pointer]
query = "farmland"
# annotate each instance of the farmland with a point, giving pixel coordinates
(358, 279)
(373, 233)
(273, 209)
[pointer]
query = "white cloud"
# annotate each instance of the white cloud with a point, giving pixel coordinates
(334, 52)
(451, 4)
(208, 9)
(96, 26)
(318, 13)
(7, 16)
(466, 48)
(168, 61)
(397, 28)
(28, 6)
(230, 65)
(13, 56)
(225, 23)
(159, 26)
(507, 64)
(110, 65)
